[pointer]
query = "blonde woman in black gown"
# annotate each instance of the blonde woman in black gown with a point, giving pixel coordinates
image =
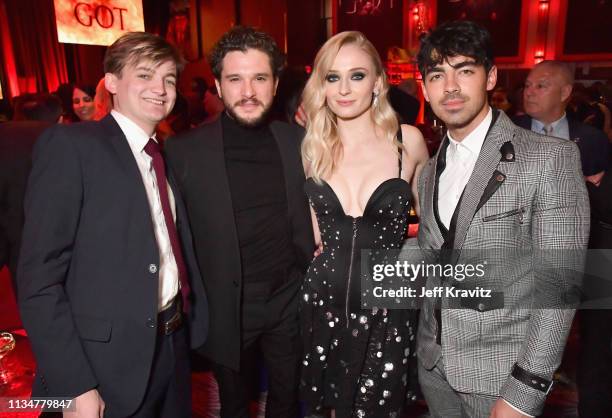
(360, 166)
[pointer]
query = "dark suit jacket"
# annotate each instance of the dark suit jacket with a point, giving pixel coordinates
(16, 142)
(592, 143)
(88, 276)
(198, 160)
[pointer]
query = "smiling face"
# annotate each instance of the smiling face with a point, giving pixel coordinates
(145, 92)
(351, 82)
(457, 92)
(83, 104)
(247, 86)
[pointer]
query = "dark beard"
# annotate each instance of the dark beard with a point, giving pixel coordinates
(248, 123)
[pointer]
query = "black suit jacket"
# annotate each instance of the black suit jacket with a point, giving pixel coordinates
(88, 276)
(592, 143)
(198, 160)
(16, 142)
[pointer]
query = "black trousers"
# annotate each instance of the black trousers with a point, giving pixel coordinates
(269, 327)
(168, 392)
(594, 376)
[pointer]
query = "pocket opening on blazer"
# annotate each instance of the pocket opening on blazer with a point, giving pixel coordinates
(519, 211)
(93, 329)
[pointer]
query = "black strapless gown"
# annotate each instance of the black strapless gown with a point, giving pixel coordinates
(356, 361)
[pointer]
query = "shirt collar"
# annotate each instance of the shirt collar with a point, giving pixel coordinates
(137, 138)
(474, 140)
(537, 125)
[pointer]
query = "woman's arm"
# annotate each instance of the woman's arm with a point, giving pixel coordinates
(413, 159)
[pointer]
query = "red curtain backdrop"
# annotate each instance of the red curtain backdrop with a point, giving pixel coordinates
(33, 58)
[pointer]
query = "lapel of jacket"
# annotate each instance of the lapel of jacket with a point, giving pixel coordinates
(123, 152)
(433, 233)
(117, 139)
(216, 171)
(573, 132)
(290, 161)
(143, 222)
(484, 174)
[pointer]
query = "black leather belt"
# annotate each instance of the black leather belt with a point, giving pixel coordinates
(531, 379)
(171, 318)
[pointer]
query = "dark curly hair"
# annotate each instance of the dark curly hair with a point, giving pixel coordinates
(242, 38)
(452, 39)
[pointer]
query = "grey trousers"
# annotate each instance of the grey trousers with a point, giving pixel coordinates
(444, 402)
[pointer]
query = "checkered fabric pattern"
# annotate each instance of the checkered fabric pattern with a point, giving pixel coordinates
(541, 205)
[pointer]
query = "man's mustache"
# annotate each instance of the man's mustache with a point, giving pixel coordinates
(248, 102)
(454, 96)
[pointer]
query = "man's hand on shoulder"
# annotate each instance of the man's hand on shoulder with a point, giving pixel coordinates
(88, 405)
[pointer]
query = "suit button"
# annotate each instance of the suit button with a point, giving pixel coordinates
(236, 283)
(150, 323)
(152, 268)
(481, 306)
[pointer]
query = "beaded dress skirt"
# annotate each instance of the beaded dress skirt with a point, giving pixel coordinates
(356, 361)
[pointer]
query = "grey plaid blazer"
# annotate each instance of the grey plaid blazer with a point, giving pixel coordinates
(539, 202)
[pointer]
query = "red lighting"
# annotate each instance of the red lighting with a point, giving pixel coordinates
(415, 17)
(308, 69)
(415, 10)
(539, 56)
(543, 5)
(97, 22)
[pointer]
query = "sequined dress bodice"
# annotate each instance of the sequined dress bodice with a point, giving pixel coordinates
(382, 226)
(355, 361)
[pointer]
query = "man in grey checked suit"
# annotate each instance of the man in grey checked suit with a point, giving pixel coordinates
(492, 185)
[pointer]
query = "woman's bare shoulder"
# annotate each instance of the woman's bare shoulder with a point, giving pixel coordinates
(411, 133)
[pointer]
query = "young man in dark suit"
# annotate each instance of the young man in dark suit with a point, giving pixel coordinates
(106, 259)
(242, 180)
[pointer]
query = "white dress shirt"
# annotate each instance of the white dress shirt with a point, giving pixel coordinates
(460, 161)
(168, 271)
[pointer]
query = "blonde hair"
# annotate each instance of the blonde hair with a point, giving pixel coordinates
(322, 148)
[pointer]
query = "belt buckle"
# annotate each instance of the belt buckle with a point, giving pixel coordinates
(175, 321)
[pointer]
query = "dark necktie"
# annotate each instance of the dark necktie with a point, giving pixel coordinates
(152, 148)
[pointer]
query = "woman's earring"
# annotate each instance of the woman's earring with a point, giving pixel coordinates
(375, 98)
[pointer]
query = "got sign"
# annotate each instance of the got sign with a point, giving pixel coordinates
(96, 22)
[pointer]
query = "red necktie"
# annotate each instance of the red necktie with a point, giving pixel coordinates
(152, 148)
